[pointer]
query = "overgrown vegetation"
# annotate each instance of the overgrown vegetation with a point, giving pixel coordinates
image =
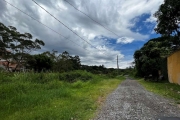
(67, 94)
(29, 96)
(168, 21)
(151, 58)
(74, 76)
(15, 47)
(163, 88)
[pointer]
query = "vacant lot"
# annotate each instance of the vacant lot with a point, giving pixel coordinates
(29, 96)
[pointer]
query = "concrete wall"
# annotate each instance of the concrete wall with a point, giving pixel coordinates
(174, 67)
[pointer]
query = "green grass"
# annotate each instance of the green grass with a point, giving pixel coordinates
(168, 90)
(43, 96)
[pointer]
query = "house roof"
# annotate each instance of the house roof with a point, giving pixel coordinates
(11, 65)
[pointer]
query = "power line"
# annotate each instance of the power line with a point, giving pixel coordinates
(63, 24)
(66, 26)
(43, 24)
(92, 18)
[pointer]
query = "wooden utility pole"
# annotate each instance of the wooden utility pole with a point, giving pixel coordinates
(117, 65)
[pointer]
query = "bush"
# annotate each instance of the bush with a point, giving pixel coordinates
(112, 74)
(5, 76)
(75, 76)
(41, 78)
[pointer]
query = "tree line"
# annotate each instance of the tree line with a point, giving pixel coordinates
(16, 48)
(52, 61)
(151, 59)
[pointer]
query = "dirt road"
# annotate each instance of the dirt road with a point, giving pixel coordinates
(130, 101)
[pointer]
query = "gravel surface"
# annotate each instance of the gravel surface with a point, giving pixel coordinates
(130, 101)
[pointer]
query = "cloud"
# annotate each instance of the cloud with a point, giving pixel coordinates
(116, 15)
(125, 40)
(2, 8)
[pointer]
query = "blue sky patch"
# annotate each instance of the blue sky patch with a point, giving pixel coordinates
(141, 26)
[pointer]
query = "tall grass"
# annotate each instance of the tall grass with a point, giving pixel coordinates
(30, 96)
(163, 88)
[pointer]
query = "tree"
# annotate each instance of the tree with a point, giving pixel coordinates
(40, 62)
(63, 62)
(54, 55)
(6, 42)
(149, 59)
(168, 17)
(17, 46)
(138, 62)
(168, 20)
(24, 46)
(76, 62)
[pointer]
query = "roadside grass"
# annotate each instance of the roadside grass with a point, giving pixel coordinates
(31, 96)
(166, 89)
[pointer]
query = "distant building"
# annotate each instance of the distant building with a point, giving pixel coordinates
(11, 66)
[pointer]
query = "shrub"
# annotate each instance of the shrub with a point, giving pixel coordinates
(5, 76)
(43, 77)
(73, 76)
(112, 74)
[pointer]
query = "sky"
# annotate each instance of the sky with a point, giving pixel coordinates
(125, 26)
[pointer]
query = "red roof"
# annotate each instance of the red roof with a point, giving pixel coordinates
(11, 65)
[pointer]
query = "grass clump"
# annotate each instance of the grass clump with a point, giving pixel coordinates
(5, 77)
(163, 88)
(30, 96)
(74, 76)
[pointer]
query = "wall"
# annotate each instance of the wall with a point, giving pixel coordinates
(174, 68)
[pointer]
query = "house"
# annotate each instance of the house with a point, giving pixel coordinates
(11, 66)
(2, 64)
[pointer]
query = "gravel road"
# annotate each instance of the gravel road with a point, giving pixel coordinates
(130, 101)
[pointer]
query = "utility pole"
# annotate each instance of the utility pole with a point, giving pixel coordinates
(117, 65)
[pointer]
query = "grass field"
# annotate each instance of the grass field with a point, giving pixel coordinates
(163, 88)
(43, 96)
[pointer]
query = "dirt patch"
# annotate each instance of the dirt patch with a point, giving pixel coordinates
(100, 100)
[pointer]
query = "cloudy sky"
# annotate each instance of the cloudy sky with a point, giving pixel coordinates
(126, 26)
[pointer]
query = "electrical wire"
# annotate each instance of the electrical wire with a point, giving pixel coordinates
(68, 27)
(63, 24)
(43, 24)
(48, 26)
(91, 18)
